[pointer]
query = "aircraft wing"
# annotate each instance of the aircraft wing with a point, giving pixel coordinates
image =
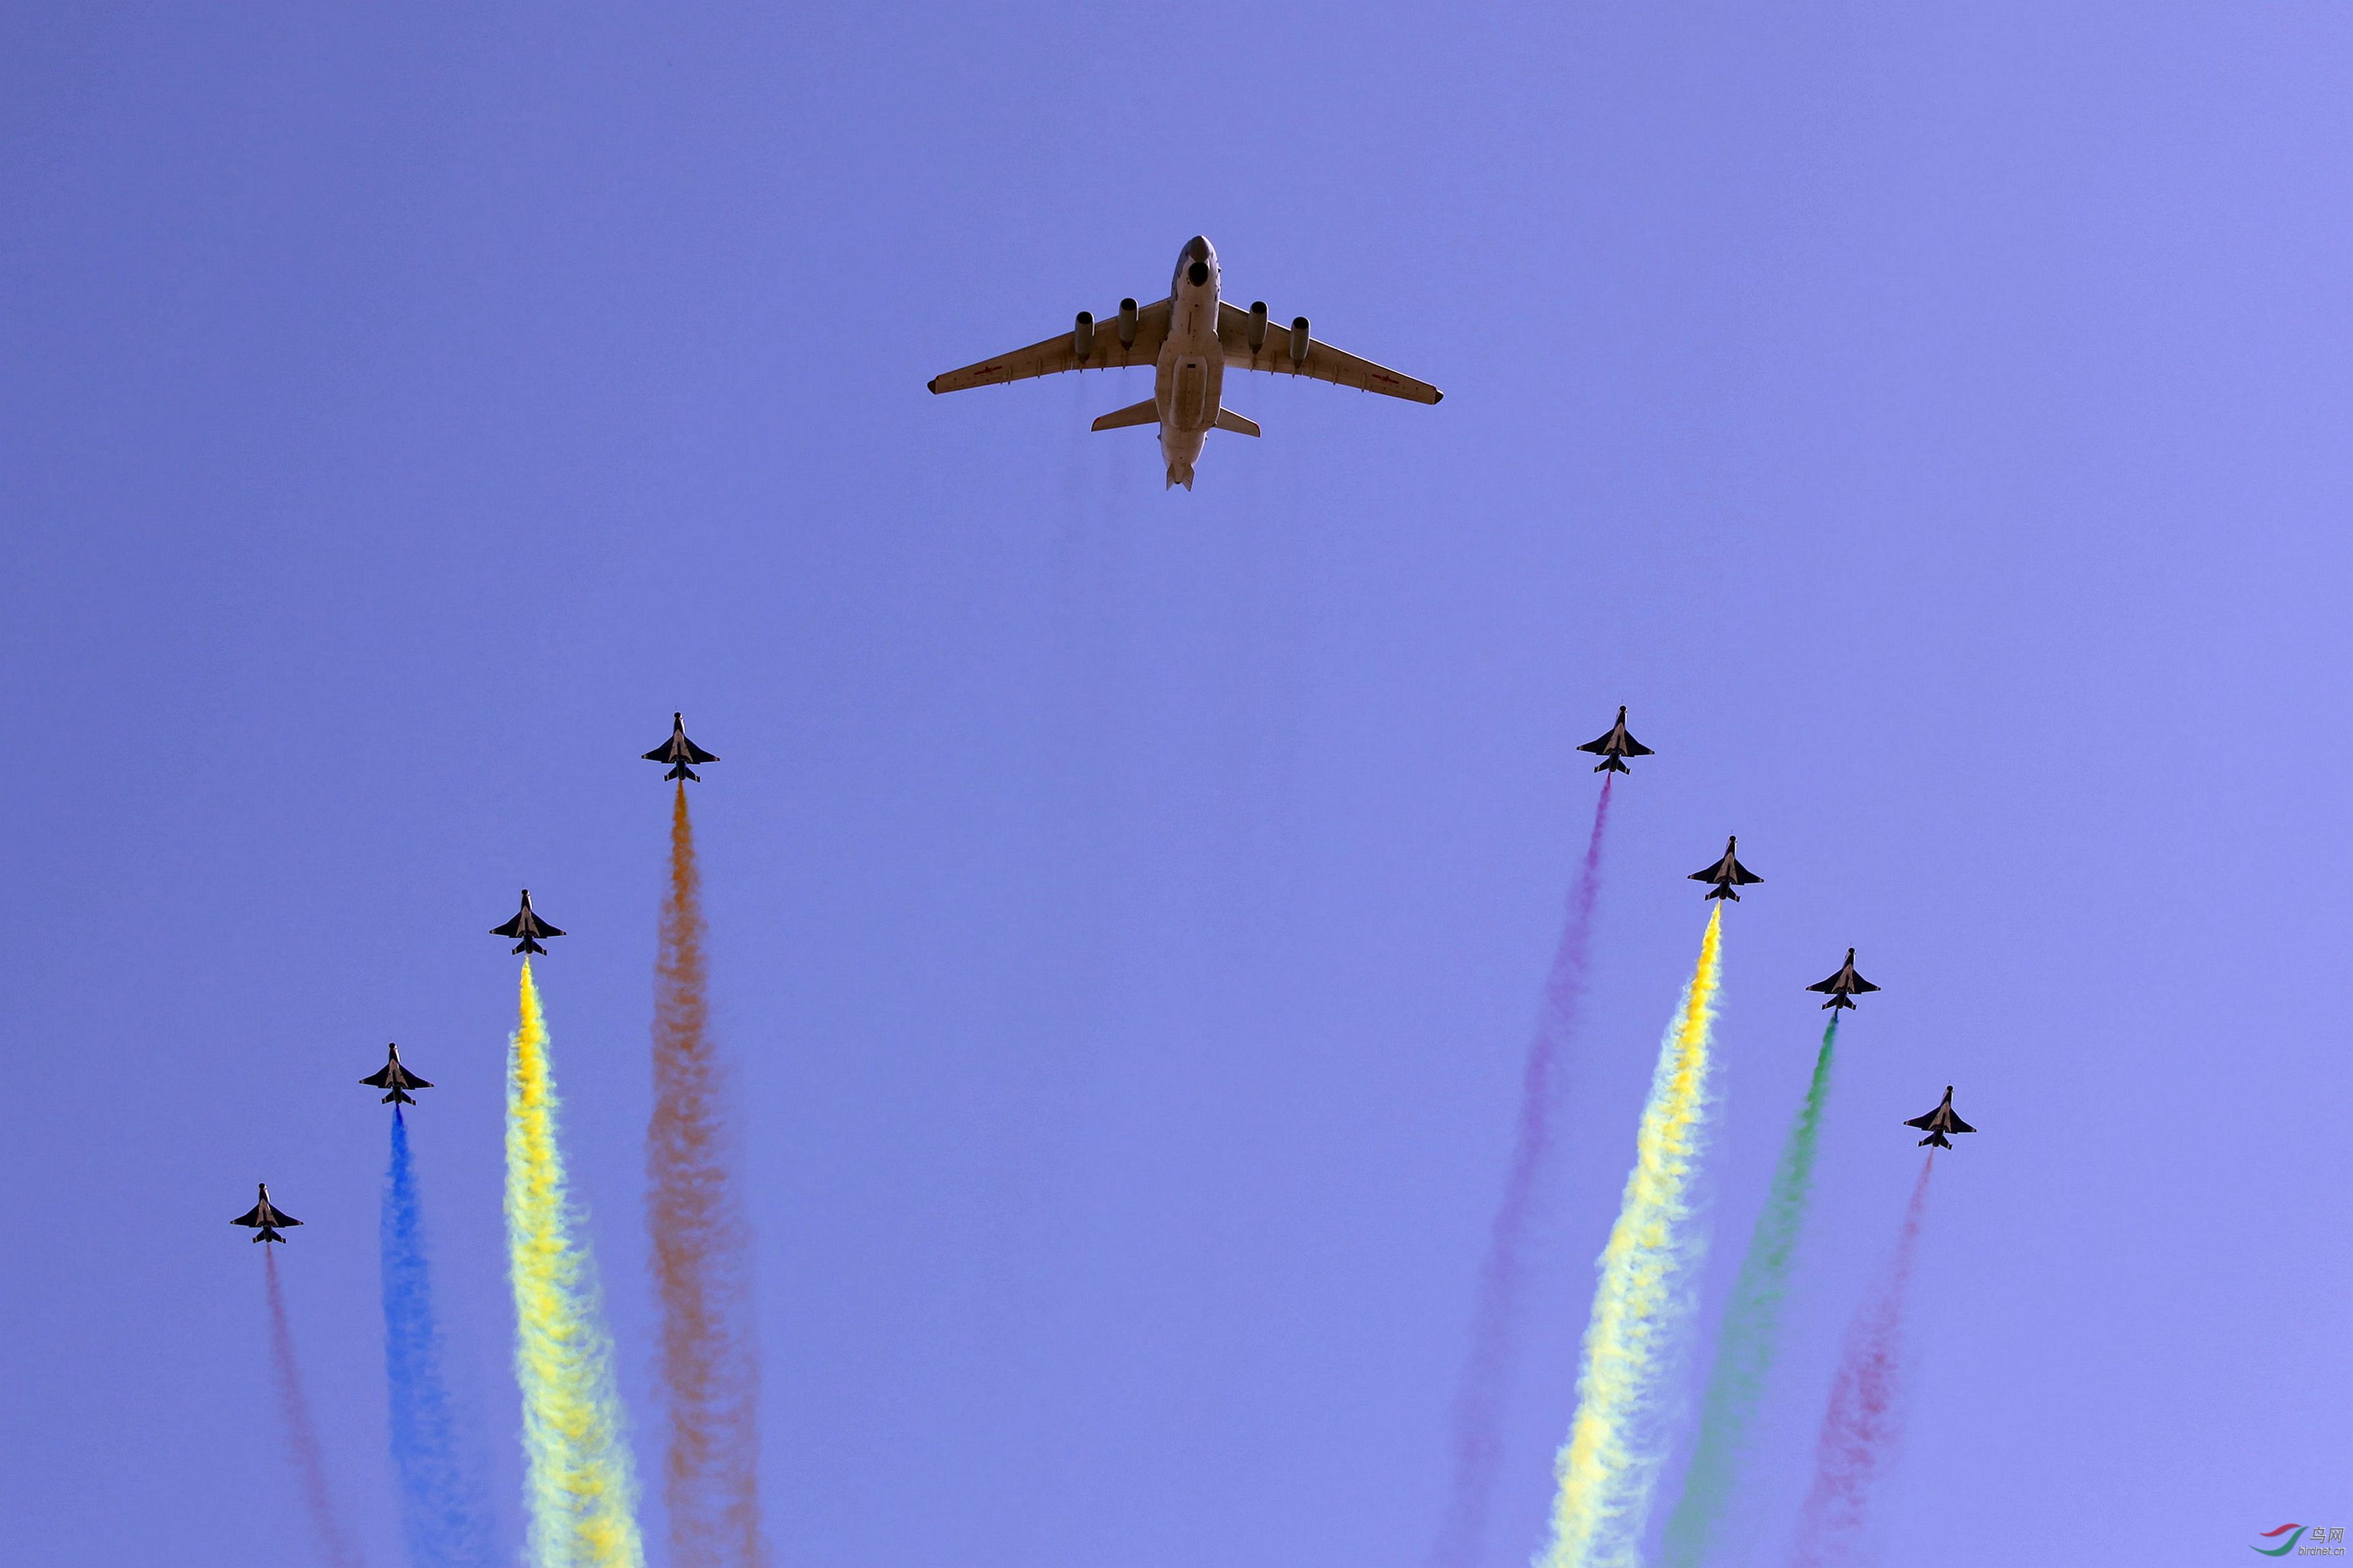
(695, 753)
(512, 928)
(1055, 354)
(1743, 875)
(251, 1217)
(541, 928)
(1926, 1121)
(1830, 984)
(1957, 1125)
(1635, 748)
(380, 1078)
(1324, 362)
(1861, 984)
(1596, 747)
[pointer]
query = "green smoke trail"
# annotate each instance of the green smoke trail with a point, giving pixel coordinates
(1751, 1335)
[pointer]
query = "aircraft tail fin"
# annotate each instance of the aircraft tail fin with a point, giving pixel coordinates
(1145, 412)
(1229, 420)
(1609, 765)
(1935, 1138)
(683, 772)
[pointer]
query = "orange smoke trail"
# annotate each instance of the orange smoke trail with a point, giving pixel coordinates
(709, 1365)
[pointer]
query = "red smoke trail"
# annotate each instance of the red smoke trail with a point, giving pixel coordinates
(709, 1365)
(1480, 1399)
(1864, 1429)
(301, 1432)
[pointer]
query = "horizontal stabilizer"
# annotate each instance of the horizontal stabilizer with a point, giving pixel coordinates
(1229, 420)
(1145, 412)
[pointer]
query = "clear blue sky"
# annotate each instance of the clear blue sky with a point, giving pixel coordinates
(1129, 907)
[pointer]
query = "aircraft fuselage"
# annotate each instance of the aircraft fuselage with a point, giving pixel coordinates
(1191, 376)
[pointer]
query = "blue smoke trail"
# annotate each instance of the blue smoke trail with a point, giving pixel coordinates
(445, 1500)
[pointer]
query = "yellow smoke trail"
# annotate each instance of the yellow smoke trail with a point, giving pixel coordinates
(1642, 1306)
(580, 1489)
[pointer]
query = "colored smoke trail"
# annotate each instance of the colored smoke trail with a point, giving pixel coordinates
(445, 1505)
(1862, 1430)
(709, 1366)
(1494, 1332)
(302, 1431)
(1751, 1335)
(1643, 1305)
(579, 1483)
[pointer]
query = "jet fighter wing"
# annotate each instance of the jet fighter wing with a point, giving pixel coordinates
(1743, 875)
(380, 1078)
(695, 753)
(1954, 1124)
(1322, 361)
(1920, 1121)
(1860, 985)
(1598, 746)
(1830, 984)
(512, 928)
(1059, 353)
(1635, 748)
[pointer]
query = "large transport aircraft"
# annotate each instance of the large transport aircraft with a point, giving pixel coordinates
(1189, 338)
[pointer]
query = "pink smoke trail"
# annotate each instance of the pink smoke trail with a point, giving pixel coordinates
(301, 1432)
(1478, 1399)
(1863, 1428)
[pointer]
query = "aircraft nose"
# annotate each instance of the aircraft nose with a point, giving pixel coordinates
(1199, 249)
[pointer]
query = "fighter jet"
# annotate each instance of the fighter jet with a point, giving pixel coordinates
(528, 926)
(1614, 747)
(1940, 1121)
(265, 1219)
(1726, 873)
(1191, 339)
(1843, 986)
(677, 751)
(394, 1080)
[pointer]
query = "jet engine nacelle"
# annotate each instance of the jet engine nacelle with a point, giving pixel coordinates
(1127, 324)
(1083, 336)
(1257, 325)
(1299, 339)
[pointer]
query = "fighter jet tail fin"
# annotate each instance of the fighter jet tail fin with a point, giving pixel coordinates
(1229, 420)
(683, 772)
(1609, 765)
(1145, 412)
(1722, 890)
(1837, 1001)
(1935, 1138)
